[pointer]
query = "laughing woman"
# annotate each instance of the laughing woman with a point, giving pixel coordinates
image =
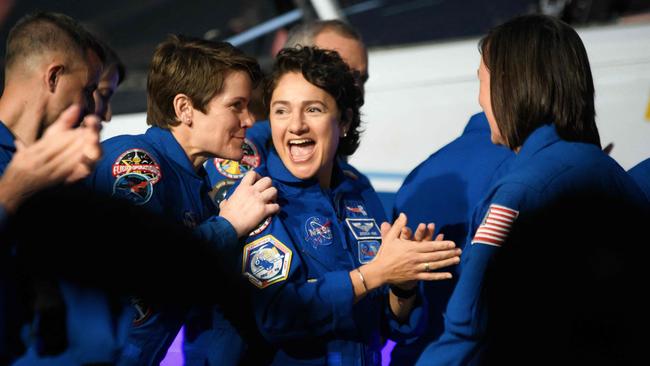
(318, 269)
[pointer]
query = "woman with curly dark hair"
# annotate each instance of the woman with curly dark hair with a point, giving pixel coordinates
(318, 270)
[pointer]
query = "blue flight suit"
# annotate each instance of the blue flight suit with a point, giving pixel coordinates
(202, 346)
(545, 169)
(444, 189)
(298, 264)
(641, 175)
(153, 170)
(94, 335)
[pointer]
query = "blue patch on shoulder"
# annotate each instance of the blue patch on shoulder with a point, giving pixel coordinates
(133, 187)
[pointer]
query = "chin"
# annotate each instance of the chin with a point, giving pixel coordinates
(302, 173)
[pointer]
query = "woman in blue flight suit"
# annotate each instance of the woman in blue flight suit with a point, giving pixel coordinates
(542, 109)
(316, 270)
(193, 117)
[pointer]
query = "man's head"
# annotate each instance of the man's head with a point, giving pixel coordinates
(337, 36)
(56, 57)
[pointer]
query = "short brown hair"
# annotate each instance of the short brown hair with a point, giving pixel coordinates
(194, 67)
(539, 74)
(41, 32)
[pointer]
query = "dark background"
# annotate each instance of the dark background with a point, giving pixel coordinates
(133, 28)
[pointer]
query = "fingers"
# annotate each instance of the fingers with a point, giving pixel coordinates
(396, 229)
(440, 237)
(263, 183)
(269, 194)
(439, 256)
(434, 276)
(271, 209)
(385, 228)
(432, 246)
(249, 178)
(406, 233)
(434, 265)
(67, 120)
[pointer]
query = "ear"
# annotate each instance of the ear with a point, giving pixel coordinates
(183, 108)
(53, 76)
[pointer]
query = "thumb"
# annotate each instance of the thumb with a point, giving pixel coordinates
(19, 145)
(66, 120)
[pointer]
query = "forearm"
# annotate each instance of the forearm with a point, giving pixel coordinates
(400, 307)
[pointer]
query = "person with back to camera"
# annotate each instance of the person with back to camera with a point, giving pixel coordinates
(198, 93)
(543, 110)
(317, 271)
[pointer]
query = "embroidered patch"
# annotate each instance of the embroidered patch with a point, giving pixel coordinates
(142, 311)
(220, 190)
(137, 161)
(266, 261)
(234, 169)
(368, 250)
(261, 227)
(364, 228)
(355, 209)
(318, 231)
(134, 187)
(496, 224)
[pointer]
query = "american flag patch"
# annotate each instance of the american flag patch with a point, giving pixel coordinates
(496, 225)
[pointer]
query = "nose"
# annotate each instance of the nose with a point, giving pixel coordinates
(297, 124)
(248, 119)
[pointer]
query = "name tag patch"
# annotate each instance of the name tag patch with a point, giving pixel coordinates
(364, 228)
(266, 261)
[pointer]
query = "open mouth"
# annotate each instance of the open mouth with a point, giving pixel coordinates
(301, 149)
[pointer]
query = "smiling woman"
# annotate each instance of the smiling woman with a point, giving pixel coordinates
(319, 270)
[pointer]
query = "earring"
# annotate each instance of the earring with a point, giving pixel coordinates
(345, 134)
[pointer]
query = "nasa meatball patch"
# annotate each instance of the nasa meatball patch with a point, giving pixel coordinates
(266, 261)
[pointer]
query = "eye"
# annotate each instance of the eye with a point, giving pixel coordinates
(279, 111)
(314, 109)
(237, 106)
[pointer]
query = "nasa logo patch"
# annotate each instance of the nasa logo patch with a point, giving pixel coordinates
(137, 161)
(220, 190)
(261, 227)
(234, 169)
(266, 261)
(364, 228)
(368, 250)
(318, 231)
(133, 187)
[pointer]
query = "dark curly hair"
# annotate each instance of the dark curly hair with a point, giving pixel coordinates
(326, 70)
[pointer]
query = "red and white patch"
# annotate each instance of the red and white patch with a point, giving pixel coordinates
(137, 161)
(496, 225)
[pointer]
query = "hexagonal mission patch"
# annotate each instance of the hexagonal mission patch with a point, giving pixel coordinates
(266, 261)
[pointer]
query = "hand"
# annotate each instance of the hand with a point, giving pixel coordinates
(250, 203)
(422, 233)
(400, 260)
(63, 155)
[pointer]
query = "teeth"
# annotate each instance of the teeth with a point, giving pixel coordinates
(299, 142)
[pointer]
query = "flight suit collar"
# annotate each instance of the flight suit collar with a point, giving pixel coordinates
(478, 123)
(166, 142)
(537, 141)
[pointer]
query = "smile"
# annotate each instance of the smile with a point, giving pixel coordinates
(301, 149)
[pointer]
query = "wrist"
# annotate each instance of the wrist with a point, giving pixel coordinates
(373, 276)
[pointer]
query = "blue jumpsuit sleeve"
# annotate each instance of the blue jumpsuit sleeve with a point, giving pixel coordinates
(466, 316)
(220, 233)
(287, 304)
